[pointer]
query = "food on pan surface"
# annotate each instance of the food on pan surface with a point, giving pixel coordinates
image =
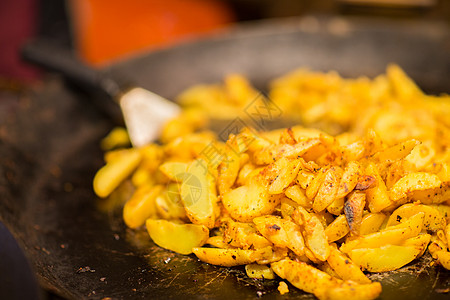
(361, 186)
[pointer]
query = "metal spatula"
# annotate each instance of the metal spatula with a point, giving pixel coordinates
(144, 112)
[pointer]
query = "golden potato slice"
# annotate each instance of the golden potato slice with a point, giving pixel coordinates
(316, 239)
(433, 220)
(169, 205)
(345, 268)
(272, 153)
(326, 194)
(336, 207)
(391, 235)
(420, 242)
(108, 178)
(444, 258)
(285, 176)
(282, 233)
(315, 183)
(403, 86)
(180, 238)
(351, 290)
(117, 137)
(322, 285)
(243, 235)
(353, 209)
(349, 179)
(231, 257)
(371, 223)
(436, 195)
(174, 170)
(412, 182)
(396, 152)
(297, 194)
(141, 206)
(197, 193)
(337, 229)
(377, 197)
(259, 271)
(228, 169)
(304, 277)
(249, 201)
(384, 258)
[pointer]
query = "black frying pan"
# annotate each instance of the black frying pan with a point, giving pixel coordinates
(78, 246)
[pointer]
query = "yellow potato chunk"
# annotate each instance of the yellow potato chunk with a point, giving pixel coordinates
(345, 268)
(249, 201)
(371, 223)
(444, 258)
(231, 257)
(433, 220)
(337, 229)
(297, 194)
(141, 206)
(384, 258)
(377, 197)
(259, 271)
(174, 170)
(412, 182)
(180, 238)
(116, 171)
(316, 238)
(304, 277)
(391, 235)
(328, 189)
(282, 233)
(285, 176)
(198, 194)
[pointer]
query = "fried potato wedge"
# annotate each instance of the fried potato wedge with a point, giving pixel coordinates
(322, 285)
(345, 268)
(180, 238)
(384, 258)
(141, 206)
(197, 193)
(108, 178)
(433, 220)
(259, 271)
(282, 233)
(394, 235)
(249, 201)
(412, 182)
(231, 257)
(316, 238)
(337, 229)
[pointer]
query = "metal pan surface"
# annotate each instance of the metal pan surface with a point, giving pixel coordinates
(78, 245)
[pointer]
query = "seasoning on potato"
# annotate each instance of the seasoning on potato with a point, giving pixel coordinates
(362, 186)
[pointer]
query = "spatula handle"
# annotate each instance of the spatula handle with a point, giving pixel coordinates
(53, 57)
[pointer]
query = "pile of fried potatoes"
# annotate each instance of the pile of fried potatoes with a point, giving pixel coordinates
(314, 208)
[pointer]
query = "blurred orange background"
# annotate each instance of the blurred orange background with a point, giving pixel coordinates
(105, 30)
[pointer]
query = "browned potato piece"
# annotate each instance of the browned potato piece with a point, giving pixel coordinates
(433, 220)
(282, 233)
(231, 257)
(328, 189)
(349, 179)
(384, 258)
(108, 178)
(345, 268)
(353, 209)
(197, 192)
(249, 201)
